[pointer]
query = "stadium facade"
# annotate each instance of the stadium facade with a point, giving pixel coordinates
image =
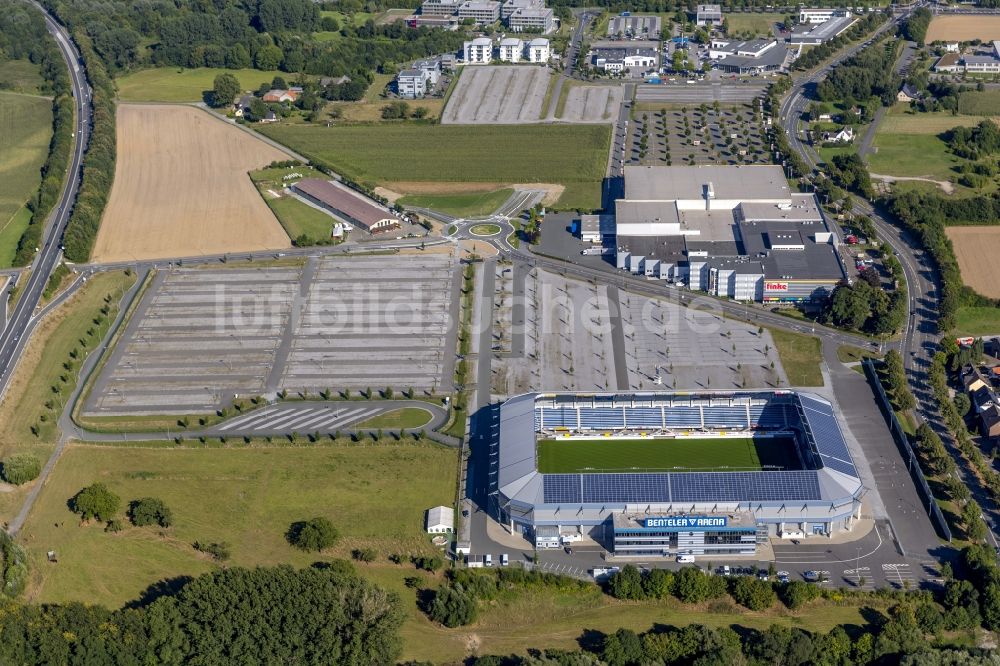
(661, 513)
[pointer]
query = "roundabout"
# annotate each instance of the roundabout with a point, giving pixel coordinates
(485, 229)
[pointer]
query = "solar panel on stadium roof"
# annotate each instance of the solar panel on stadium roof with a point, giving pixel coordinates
(626, 488)
(828, 437)
(561, 488)
(744, 486)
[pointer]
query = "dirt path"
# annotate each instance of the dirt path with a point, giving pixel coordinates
(947, 187)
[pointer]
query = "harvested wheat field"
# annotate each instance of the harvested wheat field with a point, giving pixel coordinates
(181, 188)
(977, 249)
(963, 28)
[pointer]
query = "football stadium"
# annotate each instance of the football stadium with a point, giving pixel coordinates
(672, 473)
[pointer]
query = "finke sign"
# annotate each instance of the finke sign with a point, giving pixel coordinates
(775, 286)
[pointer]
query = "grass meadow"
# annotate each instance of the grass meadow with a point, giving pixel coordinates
(976, 103)
(460, 204)
(174, 84)
(977, 321)
(800, 356)
(20, 76)
(568, 154)
(246, 497)
(26, 128)
(759, 24)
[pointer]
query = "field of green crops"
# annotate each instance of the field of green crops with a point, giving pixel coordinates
(408, 152)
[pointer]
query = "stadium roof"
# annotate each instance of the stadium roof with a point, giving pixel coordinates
(835, 477)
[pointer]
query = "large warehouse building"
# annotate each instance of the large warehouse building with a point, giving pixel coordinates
(347, 205)
(735, 231)
(668, 473)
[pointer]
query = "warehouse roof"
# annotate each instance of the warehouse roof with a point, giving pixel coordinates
(344, 201)
(764, 182)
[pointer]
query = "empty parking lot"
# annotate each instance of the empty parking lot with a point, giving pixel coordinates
(504, 94)
(201, 336)
(730, 92)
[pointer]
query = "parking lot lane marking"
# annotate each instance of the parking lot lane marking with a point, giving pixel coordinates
(281, 421)
(248, 418)
(325, 415)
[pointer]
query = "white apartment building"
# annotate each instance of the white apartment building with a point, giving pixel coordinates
(479, 51)
(538, 50)
(412, 83)
(820, 15)
(511, 49)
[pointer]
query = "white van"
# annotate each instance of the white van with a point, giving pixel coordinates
(488, 560)
(685, 559)
(504, 560)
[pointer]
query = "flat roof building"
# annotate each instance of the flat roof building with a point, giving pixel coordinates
(708, 15)
(734, 231)
(538, 50)
(439, 7)
(821, 14)
(510, 6)
(412, 83)
(511, 49)
(540, 19)
(634, 27)
(818, 33)
(347, 205)
(479, 51)
(483, 12)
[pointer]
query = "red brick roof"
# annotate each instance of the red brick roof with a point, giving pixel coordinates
(344, 201)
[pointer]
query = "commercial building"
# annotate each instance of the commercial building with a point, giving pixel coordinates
(813, 486)
(634, 27)
(985, 61)
(818, 33)
(447, 22)
(821, 14)
(510, 6)
(733, 231)
(347, 205)
(479, 51)
(755, 56)
(612, 57)
(535, 19)
(483, 12)
(538, 50)
(511, 49)
(708, 15)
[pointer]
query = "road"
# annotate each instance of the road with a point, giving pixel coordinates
(22, 319)
(572, 52)
(919, 339)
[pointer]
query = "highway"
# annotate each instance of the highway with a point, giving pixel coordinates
(22, 320)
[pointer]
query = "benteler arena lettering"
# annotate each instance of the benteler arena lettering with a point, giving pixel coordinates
(685, 523)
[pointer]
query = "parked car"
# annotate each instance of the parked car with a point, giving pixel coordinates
(685, 559)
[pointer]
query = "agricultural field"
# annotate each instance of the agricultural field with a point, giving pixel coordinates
(976, 249)
(977, 321)
(975, 103)
(963, 28)
(368, 491)
(758, 24)
(571, 155)
(171, 84)
(181, 188)
(460, 204)
(26, 128)
(567, 456)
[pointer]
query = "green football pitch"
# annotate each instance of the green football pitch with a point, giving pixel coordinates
(567, 456)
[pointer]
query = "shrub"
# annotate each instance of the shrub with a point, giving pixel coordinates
(364, 554)
(312, 535)
(114, 525)
(452, 607)
(20, 469)
(96, 501)
(432, 563)
(753, 593)
(219, 550)
(150, 511)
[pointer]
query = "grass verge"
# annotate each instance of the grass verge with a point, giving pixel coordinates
(800, 356)
(852, 354)
(459, 204)
(408, 417)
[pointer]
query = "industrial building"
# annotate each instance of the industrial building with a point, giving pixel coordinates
(708, 15)
(733, 231)
(346, 205)
(818, 33)
(613, 57)
(815, 489)
(634, 27)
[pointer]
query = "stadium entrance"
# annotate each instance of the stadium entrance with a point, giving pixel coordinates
(667, 535)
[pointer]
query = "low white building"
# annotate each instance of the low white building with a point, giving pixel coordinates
(511, 49)
(440, 520)
(820, 15)
(708, 15)
(479, 51)
(412, 83)
(538, 50)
